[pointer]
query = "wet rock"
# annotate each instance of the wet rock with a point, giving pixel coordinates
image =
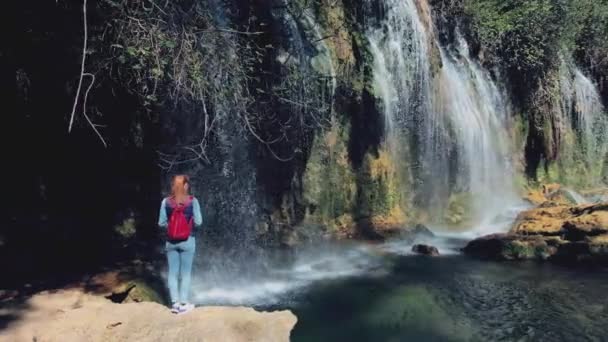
(131, 285)
(586, 221)
(575, 222)
(525, 247)
(511, 247)
(563, 233)
(425, 250)
(543, 221)
(422, 231)
(552, 231)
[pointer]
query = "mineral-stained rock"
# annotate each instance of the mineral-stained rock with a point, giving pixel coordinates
(575, 222)
(562, 233)
(543, 221)
(586, 224)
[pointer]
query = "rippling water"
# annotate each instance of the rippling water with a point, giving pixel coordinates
(455, 298)
(382, 292)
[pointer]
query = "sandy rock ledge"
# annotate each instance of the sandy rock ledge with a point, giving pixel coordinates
(71, 315)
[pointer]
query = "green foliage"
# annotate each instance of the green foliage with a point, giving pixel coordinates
(329, 182)
(516, 250)
(530, 39)
(590, 23)
(126, 229)
(520, 34)
(459, 209)
(167, 53)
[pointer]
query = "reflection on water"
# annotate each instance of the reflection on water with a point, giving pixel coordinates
(352, 291)
(457, 299)
(382, 292)
(281, 274)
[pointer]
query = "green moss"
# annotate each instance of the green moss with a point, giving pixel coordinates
(126, 229)
(517, 250)
(418, 306)
(459, 209)
(572, 168)
(381, 190)
(329, 182)
(144, 292)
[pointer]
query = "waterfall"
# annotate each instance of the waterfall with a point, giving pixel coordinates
(478, 114)
(231, 266)
(458, 113)
(590, 120)
(583, 113)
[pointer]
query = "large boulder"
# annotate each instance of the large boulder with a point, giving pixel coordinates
(561, 220)
(425, 250)
(590, 220)
(513, 247)
(561, 233)
(543, 221)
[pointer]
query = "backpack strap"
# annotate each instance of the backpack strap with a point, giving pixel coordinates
(189, 201)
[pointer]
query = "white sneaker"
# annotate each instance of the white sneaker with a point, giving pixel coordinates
(175, 308)
(186, 307)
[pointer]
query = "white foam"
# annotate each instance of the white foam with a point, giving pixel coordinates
(277, 283)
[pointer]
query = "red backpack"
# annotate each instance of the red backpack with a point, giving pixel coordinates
(180, 227)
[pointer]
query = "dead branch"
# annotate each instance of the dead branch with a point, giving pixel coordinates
(84, 56)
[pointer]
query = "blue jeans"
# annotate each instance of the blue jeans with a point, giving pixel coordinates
(179, 257)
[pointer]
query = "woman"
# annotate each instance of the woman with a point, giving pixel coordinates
(179, 214)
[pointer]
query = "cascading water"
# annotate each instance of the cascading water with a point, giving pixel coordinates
(583, 113)
(591, 121)
(478, 114)
(458, 114)
(232, 268)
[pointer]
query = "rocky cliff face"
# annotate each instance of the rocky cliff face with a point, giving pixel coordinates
(324, 118)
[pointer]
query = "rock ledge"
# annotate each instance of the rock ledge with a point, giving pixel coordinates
(71, 315)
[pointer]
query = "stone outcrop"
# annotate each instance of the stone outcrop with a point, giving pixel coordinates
(72, 315)
(425, 250)
(558, 233)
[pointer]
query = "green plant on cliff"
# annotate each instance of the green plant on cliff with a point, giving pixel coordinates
(329, 182)
(519, 34)
(530, 39)
(380, 195)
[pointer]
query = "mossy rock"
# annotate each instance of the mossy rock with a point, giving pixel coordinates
(511, 247)
(135, 284)
(143, 291)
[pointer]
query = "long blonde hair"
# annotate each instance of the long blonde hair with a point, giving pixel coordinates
(179, 187)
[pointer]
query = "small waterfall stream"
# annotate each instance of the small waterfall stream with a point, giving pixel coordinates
(582, 113)
(590, 120)
(477, 111)
(458, 113)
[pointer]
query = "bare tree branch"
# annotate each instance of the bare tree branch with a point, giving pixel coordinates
(84, 109)
(84, 56)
